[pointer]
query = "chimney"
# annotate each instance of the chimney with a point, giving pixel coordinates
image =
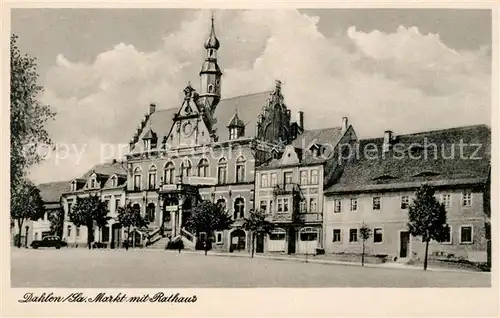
(344, 125)
(300, 119)
(387, 141)
(152, 108)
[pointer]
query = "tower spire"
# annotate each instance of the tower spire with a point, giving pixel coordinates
(210, 74)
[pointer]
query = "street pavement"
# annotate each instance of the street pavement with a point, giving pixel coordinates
(142, 268)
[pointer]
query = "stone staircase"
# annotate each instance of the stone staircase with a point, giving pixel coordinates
(160, 244)
(187, 238)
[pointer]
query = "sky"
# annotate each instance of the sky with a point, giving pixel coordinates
(405, 70)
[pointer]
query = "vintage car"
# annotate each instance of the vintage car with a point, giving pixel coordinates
(49, 241)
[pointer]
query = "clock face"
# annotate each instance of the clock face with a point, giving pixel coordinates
(187, 129)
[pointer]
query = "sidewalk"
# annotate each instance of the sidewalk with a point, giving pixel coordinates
(311, 259)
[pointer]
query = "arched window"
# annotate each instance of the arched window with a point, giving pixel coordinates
(222, 171)
(152, 178)
(137, 178)
(222, 202)
(186, 168)
(169, 173)
(308, 234)
(150, 212)
(239, 208)
(240, 169)
(277, 234)
(203, 168)
(136, 207)
(210, 88)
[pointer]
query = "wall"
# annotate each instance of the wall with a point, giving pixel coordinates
(392, 219)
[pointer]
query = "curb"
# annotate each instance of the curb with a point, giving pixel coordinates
(332, 262)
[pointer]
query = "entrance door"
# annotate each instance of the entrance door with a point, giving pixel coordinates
(291, 240)
(404, 242)
(259, 245)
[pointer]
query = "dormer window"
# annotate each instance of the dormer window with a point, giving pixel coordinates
(73, 185)
(113, 181)
(93, 183)
(315, 150)
(147, 144)
(236, 128)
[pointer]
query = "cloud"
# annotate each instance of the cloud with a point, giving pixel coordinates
(405, 81)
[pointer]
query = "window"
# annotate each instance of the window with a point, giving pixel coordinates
(337, 206)
(211, 86)
(337, 235)
(446, 200)
(353, 235)
(285, 205)
(222, 203)
(69, 208)
(313, 206)
(303, 206)
(150, 212)
(117, 203)
(466, 199)
(92, 183)
(222, 171)
(239, 208)
(137, 179)
(73, 186)
(303, 177)
(354, 204)
(186, 168)
(447, 239)
(314, 176)
(377, 236)
(308, 234)
(264, 181)
(113, 181)
(203, 168)
(376, 203)
(277, 235)
(240, 169)
(404, 202)
(274, 179)
(169, 173)
(218, 237)
(263, 206)
(287, 179)
(233, 133)
(77, 231)
(280, 205)
(466, 234)
(152, 178)
(68, 231)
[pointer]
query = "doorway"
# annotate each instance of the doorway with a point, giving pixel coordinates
(404, 243)
(291, 240)
(259, 244)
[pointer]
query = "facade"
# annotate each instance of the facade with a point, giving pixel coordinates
(376, 189)
(289, 189)
(108, 181)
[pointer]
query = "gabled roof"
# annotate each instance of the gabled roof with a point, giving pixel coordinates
(150, 134)
(400, 167)
(236, 122)
(248, 107)
(105, 170)
(51, 192)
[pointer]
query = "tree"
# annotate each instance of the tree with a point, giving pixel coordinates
(25, 204)
(86, 212)
(27, 115)
(56, 220)
(427, 218)
(256, 223)
(130, 217)
(364, 234)
(209, 217)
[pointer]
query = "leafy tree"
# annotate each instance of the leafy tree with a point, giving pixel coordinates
(427, 218)
(256, 223)
(27, 115)
(209, 217)
(25, 204)
(130, 217)
(364, 234)
(86, 212)
(56, 220)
